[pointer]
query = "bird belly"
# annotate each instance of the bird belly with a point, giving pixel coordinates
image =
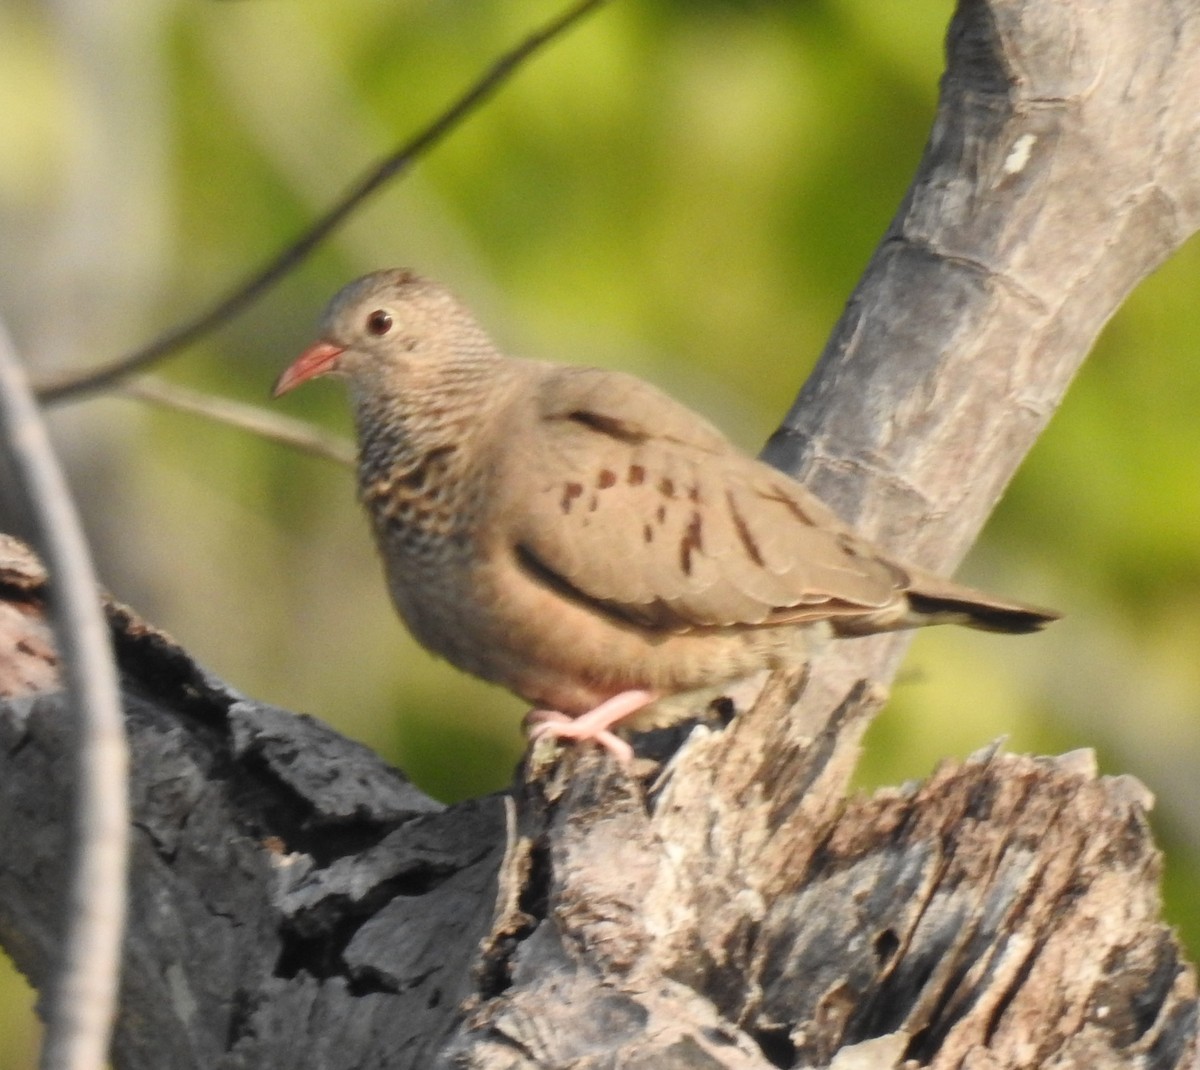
(498, 624)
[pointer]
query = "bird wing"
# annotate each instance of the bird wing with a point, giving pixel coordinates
(631, 502)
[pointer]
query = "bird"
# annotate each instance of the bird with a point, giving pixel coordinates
(579, 537)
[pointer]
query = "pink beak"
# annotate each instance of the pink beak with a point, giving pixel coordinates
(316, 360)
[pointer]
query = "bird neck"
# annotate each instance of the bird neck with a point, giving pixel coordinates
(426, 411)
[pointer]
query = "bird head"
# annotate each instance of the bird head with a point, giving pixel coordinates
(380, 325)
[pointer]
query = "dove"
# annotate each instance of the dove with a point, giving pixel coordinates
(579, 537)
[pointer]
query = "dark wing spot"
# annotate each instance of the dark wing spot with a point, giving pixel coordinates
(647, 533)
(606, 479)
(637, 475)
(744, 533)
(694, 493)
(848, 544)
(653, 616)
(571, 491)
(593, 501)
(660, 514)
(608, 425)
(788, 502)
(690, 543)
(666, 487)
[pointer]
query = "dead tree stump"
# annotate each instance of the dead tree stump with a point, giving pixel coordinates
(297, 903)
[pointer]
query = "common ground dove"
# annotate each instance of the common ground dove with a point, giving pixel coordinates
(583, 539)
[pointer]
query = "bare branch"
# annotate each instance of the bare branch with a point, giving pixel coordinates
(737, 910)
(65, 386)
(84, 992)
(257, 421)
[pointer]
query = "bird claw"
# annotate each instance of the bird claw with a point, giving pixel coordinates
(593, 725)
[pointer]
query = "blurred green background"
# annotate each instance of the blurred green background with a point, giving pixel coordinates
(685, 190)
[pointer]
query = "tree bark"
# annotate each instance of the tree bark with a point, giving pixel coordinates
(297, 903)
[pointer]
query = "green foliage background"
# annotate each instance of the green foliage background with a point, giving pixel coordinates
(685, 190)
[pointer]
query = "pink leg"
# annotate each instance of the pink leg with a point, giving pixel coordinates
(593, 725)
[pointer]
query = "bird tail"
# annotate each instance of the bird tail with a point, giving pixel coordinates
(933, 600)
(978, 610)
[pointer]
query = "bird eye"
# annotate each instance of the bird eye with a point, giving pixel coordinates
(379, 322)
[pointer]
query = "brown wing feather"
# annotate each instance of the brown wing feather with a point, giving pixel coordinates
(636, 504)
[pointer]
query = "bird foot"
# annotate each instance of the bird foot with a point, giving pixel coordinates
(593, 725)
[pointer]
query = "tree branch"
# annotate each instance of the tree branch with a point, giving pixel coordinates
(725, 905)
(66, 386)
(253, 419)
(83, 992)
(1062, 168)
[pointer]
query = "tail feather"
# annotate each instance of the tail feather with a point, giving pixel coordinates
(977, 610)
(930, 599)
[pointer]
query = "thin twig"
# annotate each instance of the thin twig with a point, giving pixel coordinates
(83, 993)
(277, 428)
(65, 386)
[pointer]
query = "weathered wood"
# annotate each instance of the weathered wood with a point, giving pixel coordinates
(291, 894)
(299, 904)
(1062, 168)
